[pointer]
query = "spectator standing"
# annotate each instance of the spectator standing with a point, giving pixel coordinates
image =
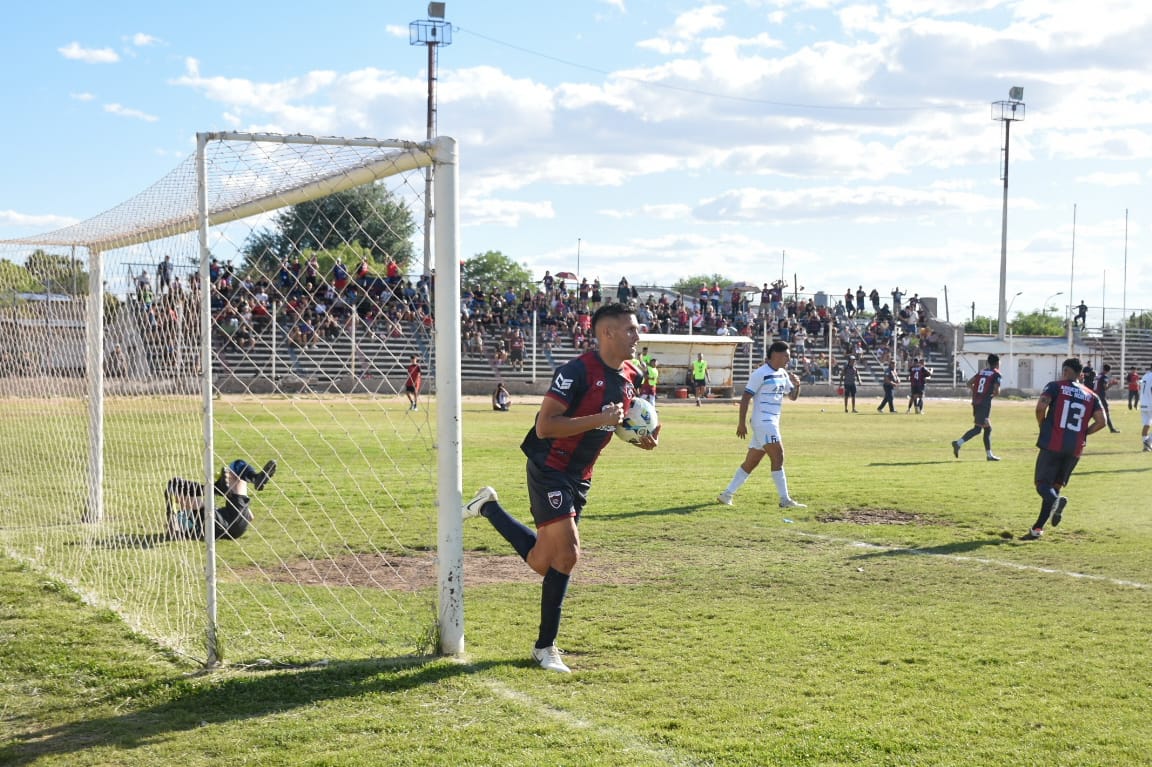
(1081, 317)
(1062, 413)
(1105, 381)
(651, 380)
(623, 291)
(890, 382)
(860, 299)
(849, 306)
(767, 387)
(985, 386)
(1133, 381)
(874, 297)
(164, 274)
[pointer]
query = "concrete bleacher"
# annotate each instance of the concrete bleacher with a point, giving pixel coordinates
(1121, 352)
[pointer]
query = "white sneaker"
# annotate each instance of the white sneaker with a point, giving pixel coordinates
(472, 508)
(788, 503)
(724, 498)
(549, 659)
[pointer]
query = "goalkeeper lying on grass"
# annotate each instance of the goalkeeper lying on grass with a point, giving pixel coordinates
(184, 501)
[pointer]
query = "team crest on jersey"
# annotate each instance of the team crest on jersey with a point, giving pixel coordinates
(555, 499)
(629, 391)
(562, 383)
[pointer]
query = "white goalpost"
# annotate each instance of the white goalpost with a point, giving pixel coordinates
(238, 339)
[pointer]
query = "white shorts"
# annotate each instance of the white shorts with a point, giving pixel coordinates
(764, 433)
(1146, 416)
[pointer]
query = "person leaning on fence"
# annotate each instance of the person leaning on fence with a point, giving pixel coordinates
(185, 505)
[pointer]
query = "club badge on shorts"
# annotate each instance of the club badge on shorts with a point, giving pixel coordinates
(555, 499)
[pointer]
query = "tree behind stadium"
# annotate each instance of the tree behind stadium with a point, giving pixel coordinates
(368, 216)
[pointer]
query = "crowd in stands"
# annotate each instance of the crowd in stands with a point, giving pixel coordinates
(496, 323)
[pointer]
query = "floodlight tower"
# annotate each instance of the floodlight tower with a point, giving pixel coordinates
(1006, 112)
(431, 32)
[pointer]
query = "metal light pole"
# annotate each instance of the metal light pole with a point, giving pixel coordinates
(1006, 112)
(1044, 308)
(431, 32)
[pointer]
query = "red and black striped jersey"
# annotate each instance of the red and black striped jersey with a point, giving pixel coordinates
(585, 386)
(985, 386)
(1070, 409)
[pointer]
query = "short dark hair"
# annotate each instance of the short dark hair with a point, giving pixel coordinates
(993, 359)
(777, 346)
(611, 311)
(1073, 364)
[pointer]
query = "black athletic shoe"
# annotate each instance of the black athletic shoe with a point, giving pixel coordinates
(265, 474)
(991, 457)
(956, 445)
(1058, 509)
(1032, 535)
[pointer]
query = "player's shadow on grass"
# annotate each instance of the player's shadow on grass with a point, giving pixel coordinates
(191, 704)
(907, 463)
(675, 510)
(959, 547)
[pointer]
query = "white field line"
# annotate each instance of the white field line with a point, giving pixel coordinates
(980, 560)
(628, 740)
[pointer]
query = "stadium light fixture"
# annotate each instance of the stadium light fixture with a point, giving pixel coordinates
(1006, 112)
(432, 33)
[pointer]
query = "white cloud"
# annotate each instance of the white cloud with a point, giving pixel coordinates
(81, 96)
(396, 30)
(123, 111)
(142, 40)
(686, 30)
(477, 211)
(35, 222)
(1131, 178)
(76, 52)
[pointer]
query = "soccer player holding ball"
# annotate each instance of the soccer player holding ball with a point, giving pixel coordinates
(577, 419)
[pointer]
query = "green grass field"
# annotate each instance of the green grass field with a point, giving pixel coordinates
(895, 621)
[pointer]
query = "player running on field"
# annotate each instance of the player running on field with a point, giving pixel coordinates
(767, 387)
(577, 418)
(985, 386)
(1063, 413)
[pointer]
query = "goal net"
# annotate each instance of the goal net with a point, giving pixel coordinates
(257, 345)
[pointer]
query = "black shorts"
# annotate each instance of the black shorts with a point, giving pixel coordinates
(849, 389)
(917, 391)
(982, 413)
(410, 388)
(1054, 468)
(555, 495)
(700, 383)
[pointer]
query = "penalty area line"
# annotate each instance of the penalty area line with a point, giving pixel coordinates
(979, 560)
(627, 740)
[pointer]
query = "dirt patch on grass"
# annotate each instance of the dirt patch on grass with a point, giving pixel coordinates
(879, 517)
(417, 571)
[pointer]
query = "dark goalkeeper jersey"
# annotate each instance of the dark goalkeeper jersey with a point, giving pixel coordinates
(585, 386)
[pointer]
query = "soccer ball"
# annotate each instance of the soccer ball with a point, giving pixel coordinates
(639, 421)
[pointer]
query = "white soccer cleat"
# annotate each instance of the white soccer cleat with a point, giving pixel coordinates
(549, 659)
(724, 498)
(788, 503)
(472, 508)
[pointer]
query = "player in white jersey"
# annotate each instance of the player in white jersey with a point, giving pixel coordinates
(767, 387)
(1146, 407)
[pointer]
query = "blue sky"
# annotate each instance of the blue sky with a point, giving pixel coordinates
(844, 143)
